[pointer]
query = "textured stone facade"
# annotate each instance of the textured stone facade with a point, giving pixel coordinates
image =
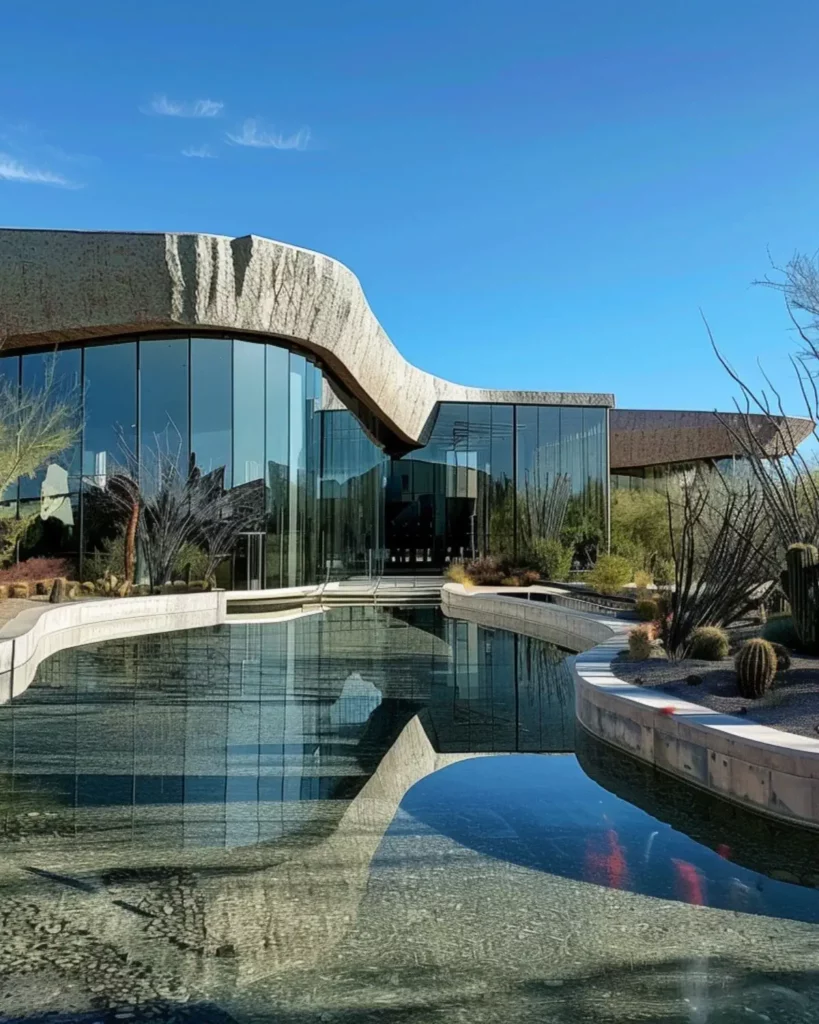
(68, 285)
(649, 437)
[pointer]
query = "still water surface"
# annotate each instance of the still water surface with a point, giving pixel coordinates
(372, 815)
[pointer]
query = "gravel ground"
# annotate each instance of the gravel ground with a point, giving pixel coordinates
(12, 606)
(792, 704)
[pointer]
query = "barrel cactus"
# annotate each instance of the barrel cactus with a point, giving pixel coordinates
(756, 667)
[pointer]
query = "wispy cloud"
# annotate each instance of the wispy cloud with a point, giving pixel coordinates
(254, 136)
(14, 170)
(181, 108)
(203, 152)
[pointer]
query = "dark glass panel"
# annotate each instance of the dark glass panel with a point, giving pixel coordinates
(248, 413)
(479, 481)
(352, 498)
(277, 455)
(526, 474)
(502, 486)
(211, 406)
(163, 402)
(582, 437)
(297, 498)
(110, 408)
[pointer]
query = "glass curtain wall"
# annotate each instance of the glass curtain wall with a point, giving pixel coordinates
(353, 475)
(499, 479)
(49, 500)
(247, 413)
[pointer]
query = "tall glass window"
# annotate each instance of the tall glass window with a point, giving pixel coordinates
(212, 406)
(502, 486)
(248, 413)
(163, 402)
(109, 441)
(277, 456)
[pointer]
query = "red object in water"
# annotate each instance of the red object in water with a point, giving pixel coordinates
(689, 883)
(724, 850)
(608, 867)
(668, 710)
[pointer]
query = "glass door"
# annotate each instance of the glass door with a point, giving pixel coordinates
(248, 562)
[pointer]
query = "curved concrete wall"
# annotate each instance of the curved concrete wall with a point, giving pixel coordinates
(37, 633)
(767, 770)
(73, 285)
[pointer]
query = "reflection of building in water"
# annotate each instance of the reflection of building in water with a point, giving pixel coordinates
(249, 733)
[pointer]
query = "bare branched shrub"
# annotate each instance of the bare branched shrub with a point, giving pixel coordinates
(169, 509)
(724, 551)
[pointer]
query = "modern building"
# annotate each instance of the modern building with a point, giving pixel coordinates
(262, 365)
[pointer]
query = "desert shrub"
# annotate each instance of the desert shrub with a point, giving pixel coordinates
(647, 610)
(663, 572)
(529, 577)
(642, 579)
(610, 575)
(708, 643)
(33, 569)
(639, 527)
(640, 642)
(779, 629)
(456, 573)
(107, 559)
(191, 562)
(488, 571)
(551, 558)
(510, 581)
(18, 590)
(4, 591)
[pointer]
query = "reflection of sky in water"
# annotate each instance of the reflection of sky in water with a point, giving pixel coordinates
(544, 813)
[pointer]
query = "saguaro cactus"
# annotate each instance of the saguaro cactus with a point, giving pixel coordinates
(800, 584)
(756, 667)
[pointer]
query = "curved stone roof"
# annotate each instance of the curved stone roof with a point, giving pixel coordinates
(652, 437)
(73, 285)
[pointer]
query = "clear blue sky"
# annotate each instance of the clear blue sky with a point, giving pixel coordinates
(534, 195)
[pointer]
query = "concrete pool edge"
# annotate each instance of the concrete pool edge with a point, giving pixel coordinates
(767, 770)
(36, 633)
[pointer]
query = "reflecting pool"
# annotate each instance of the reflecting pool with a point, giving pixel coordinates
(372, 815)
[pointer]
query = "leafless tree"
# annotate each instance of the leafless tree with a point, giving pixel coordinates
(37, 424)
(724, 551)
(169, 507)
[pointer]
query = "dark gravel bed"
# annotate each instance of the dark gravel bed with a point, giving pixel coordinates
(791, 705)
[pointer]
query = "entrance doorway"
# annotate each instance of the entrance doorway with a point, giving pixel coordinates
(248, 562)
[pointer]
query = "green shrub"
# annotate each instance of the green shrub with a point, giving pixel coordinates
(456, 573)
(107, 559)
(552, 559)
(779, 629)
(663, 572)
(708, 643)
(647, 610)
(642, 579)
(510, 581)
(756, 667)
(191, 562)
(640, 642)
(610, 575)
